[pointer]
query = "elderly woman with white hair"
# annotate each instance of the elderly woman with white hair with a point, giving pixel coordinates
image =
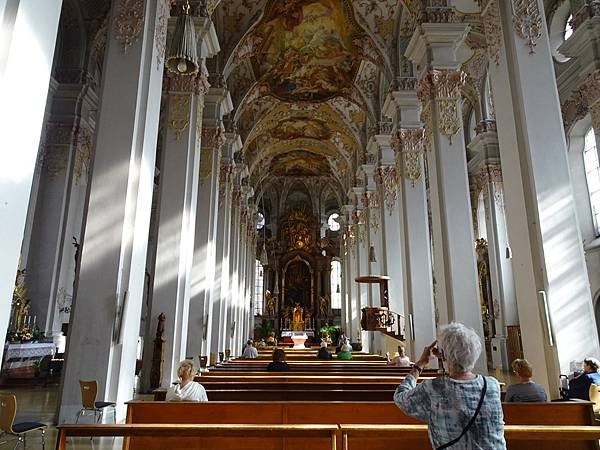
(187, 390)
(462, 409)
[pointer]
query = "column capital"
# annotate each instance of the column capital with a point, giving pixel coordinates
(435, 45)
(213, 137)
(582, 101)
(386, 178)
(194, 84)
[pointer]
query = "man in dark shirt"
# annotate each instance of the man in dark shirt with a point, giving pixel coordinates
(579, 387)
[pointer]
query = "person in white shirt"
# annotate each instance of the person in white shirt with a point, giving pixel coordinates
(250, 351)
(400, 359)
(187, 390)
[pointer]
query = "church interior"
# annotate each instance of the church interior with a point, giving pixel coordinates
(178, 177)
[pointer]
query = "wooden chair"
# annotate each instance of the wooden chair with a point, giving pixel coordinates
(89, 390)
(8, 411)
(203, 362)
(213, 359)
(595, 397)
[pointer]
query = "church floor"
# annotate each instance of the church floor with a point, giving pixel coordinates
(39, 404)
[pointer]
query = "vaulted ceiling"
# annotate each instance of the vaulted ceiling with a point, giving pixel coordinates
(306, 78)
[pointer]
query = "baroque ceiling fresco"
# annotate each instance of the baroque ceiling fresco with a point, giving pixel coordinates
(307, 78)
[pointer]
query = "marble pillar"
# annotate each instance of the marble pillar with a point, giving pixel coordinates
(105, 319)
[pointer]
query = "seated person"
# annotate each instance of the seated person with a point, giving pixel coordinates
(345, 352)
(399, 360)
(261, 344)
(323, 353)
(278, 364)
(579, 387)
(250, 351)
(271, 342)
(187, 390)
(525, 390)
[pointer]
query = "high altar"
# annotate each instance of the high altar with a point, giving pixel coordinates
(300, 268)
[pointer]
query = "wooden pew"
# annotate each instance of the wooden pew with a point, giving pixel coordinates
(376, 437)
(211, 436)
(368, 413)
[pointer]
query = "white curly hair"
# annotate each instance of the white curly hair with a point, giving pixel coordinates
(461, 346)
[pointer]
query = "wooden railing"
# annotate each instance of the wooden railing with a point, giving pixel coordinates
(199, 431)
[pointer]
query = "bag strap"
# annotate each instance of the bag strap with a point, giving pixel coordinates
(470, 424)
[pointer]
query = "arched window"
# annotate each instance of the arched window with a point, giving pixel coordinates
(260, 220)
(568, 27)
(258, 289)
(332, 222)
(592, 175)
(336, 284)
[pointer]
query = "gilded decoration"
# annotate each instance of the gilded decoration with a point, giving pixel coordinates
(485, 176)
(160, 37)
(179, 113)
(527, 21)
(206, 163)
(129, 22)
(581, 101)
(225, 185)
(304, 50)
(410, 144)
(58, 138)
(213, 137)
(83, 153)
(493, 30)
(387, 178)
(194, 84)
(444, 87)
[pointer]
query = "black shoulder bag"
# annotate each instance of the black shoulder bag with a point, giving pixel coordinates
(470, 424)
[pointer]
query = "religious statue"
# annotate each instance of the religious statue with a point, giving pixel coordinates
(298, 318)
(156, 371)
(323, 306)
(298, 313)
(269, 304)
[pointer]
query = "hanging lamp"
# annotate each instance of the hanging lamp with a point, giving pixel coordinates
(182, 58)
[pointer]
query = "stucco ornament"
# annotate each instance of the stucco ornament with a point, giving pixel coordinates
(527, 21)
(493, 30)
(410, 144)
(387, 178)
(444, 87)
(129, 22)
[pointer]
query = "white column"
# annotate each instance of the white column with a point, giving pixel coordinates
(439, 92)
(232, 301)
(221, 280)
(27, 39)
(420, 307)
(105, 319)
(179, 180)
(203, 273)
(549, 259)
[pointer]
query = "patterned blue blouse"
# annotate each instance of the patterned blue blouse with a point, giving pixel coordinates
(447, 405)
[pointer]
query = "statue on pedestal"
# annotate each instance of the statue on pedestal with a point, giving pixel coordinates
(269, 304)
(298, 318)
(323, 306)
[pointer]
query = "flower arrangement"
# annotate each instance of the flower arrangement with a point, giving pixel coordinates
(25, 334)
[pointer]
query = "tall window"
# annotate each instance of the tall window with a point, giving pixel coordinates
(336, 285)
(258, 289)
(592, 175)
